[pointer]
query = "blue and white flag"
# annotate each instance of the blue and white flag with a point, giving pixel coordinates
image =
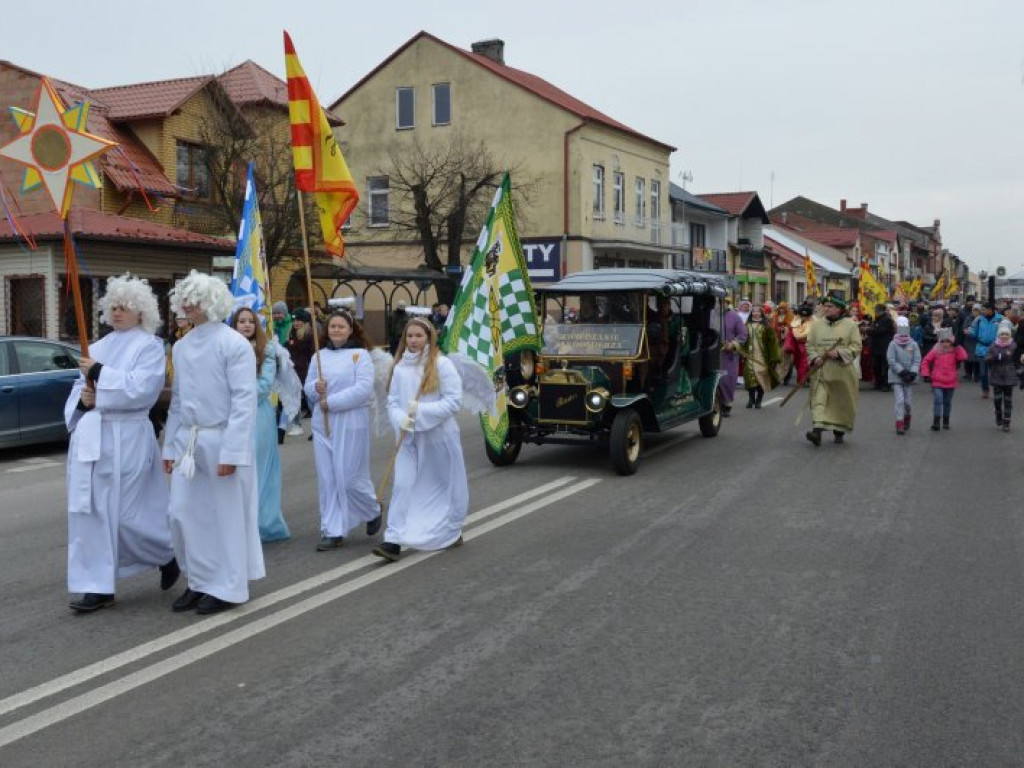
(249, 281)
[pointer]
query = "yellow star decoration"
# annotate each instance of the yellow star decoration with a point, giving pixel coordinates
(54, 147)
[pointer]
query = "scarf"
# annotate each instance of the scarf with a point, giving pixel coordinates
(1000, 342)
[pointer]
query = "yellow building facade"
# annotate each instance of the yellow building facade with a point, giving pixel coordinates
(597, 189)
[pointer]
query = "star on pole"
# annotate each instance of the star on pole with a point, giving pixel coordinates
(54, 148)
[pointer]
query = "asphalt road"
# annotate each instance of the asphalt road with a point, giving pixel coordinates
(742, 600)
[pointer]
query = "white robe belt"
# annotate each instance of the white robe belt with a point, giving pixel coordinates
(187, 463)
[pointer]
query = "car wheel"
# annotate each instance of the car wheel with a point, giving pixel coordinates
(626, 441)
(712, 422)
(509, 451)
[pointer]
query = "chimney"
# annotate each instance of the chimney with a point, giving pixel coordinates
(785, 217)
(842, 205)
(864, 207)
(493, 49)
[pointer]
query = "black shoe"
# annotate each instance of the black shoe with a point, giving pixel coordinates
(169, 573)
(187, 602)
(210, 604)
(815, 437)
(726, 411)
(935, 425)
(838, 437)
(310, 438)
(328, 543)
(280, 436)
(390, 552)
(92, 601)
(373, 526)
(945, 423)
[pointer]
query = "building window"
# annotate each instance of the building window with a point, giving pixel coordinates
(641, 202)
(405, 100)
(598, 191)
(442, 104)
(619, 196)
(655, 211)
(380, 191)
(193, 170)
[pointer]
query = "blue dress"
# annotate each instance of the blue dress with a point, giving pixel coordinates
(268, 461)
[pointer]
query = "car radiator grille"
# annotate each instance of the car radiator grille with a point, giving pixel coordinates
(562, 402)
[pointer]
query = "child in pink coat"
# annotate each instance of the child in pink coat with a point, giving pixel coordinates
(939, 366)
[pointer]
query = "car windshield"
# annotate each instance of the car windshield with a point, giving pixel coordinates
(593, 324)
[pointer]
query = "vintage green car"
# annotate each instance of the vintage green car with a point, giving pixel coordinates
(625, 351)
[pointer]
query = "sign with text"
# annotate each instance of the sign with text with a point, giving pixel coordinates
(543, 260)
(592, 340)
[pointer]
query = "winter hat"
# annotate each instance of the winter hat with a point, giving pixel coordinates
(1005, 329)
(301, 314)
(902, 325)
(945, 334)
(280, 307)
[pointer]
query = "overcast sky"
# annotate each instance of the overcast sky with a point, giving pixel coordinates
(915, 107)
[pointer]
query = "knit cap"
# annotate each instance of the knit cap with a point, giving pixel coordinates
(945, 333)
(1005, 329)
(902, 325)
(280, 307)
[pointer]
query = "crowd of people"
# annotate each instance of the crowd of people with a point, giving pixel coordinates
(218, 379)
(830, 347)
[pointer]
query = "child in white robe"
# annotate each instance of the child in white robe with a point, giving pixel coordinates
(343, 392)
(209, 452)
(431, 494)
(117, 495)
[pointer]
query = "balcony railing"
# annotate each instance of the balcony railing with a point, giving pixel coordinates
(702, 259)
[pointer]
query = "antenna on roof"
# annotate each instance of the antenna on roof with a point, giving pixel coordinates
(684, 178)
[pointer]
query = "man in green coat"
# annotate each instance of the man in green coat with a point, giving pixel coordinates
(833, 347)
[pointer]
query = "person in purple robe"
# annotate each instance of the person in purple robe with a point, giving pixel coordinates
(734, 336)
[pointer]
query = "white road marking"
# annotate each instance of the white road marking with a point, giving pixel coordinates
(771, 400)
(140, 652)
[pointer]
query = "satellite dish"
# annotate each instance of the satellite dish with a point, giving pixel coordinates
(1000, 271)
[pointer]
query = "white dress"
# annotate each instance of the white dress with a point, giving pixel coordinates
(431, 495)
(117, 493)
(347, 497)
(212, 419)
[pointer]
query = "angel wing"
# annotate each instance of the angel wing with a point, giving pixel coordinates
(382, 364)
(478, 394)
(286, 382)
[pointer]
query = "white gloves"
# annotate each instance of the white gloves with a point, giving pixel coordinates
(408, 424)
(414, 406)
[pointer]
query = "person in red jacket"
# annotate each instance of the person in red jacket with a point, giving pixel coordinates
(939, 366)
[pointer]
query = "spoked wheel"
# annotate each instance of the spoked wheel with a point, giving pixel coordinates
(626, 442)
(509, 451)
(712, 422)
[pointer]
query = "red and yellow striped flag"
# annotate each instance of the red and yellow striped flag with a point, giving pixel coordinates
(319, 165)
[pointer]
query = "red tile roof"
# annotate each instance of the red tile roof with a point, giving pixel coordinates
(95, 225)
(835, 236)
(249, 83)
(788, 256)
(535, 85)
(734, 202)
(140, 101)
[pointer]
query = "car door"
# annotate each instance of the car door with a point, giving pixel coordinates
(9, 429)
(46, 372)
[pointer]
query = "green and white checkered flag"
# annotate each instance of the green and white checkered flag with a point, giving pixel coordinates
(494, 312)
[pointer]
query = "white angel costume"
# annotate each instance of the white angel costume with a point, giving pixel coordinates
(346, 492)
(117, 494)
(431, 493)
(211, 421)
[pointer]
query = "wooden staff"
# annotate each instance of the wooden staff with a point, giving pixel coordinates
(71, 268)
(312, 306)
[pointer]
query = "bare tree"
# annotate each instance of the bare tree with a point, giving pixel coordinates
(440, 195)
(260, 134)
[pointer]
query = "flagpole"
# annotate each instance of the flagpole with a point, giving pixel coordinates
(71, 269)
(312, 306)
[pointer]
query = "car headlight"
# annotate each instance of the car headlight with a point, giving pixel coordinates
(527, 365)
(596, 400)
(519, 397)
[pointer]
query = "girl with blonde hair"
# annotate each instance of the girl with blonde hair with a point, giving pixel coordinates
(431, 494)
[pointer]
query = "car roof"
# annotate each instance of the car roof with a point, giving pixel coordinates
(664, 282)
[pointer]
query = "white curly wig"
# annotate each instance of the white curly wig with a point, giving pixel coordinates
(135, 294)
(204, 291)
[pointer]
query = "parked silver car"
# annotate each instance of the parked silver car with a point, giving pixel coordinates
(36, 376)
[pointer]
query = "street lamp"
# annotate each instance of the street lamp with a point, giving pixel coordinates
(855, 284)
(982, 274)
